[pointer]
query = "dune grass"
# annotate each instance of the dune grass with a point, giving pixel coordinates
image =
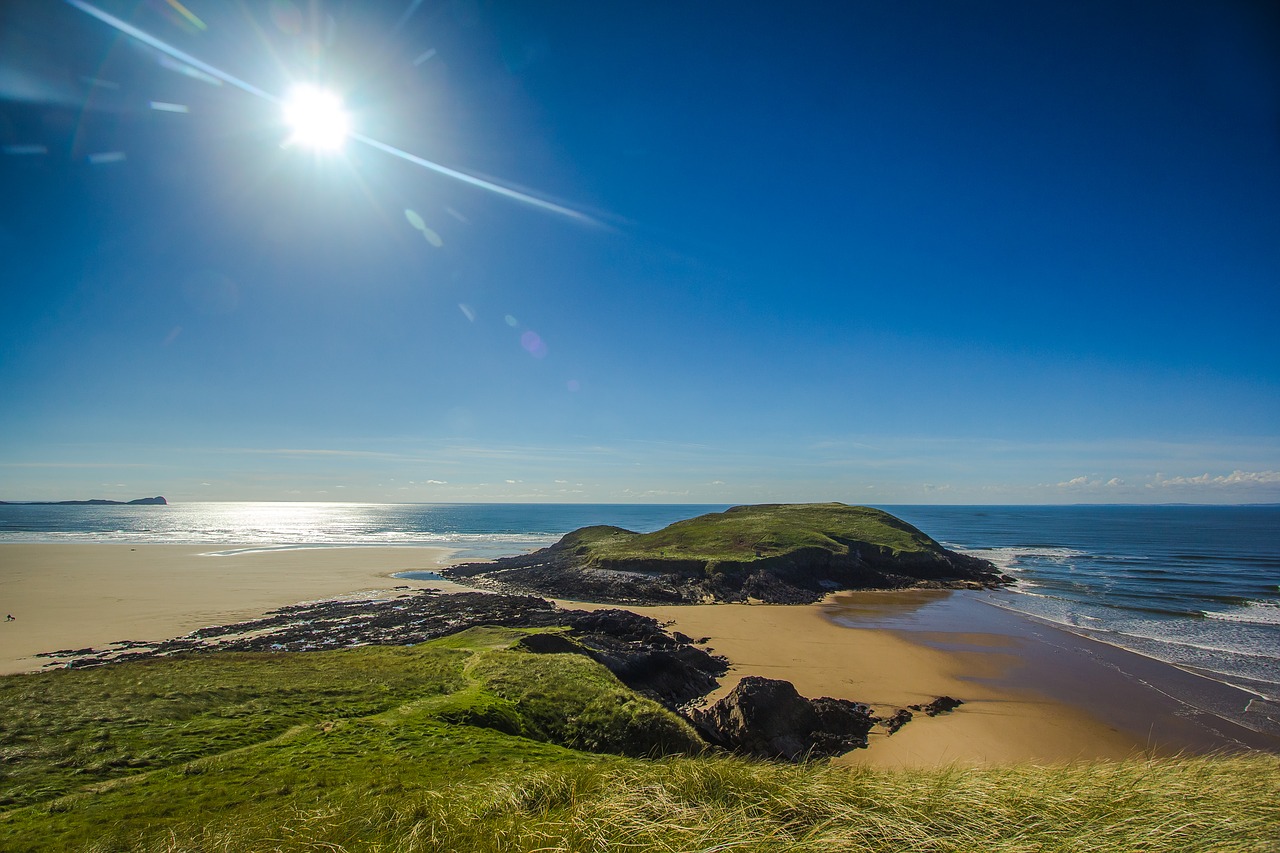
(550, 800)
(466, 744)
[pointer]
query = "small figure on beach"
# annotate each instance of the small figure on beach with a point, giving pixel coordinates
(8, 617)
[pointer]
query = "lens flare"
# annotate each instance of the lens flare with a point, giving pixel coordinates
(188, 64)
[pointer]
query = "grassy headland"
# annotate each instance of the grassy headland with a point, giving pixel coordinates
(780, 553)
(469, 743)
(746, 533)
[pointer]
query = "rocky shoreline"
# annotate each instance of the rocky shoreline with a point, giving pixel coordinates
(798, 577)
(760, 717)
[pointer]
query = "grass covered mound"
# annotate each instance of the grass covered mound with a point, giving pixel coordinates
(62, 731)
(781, 553)
(467, 743)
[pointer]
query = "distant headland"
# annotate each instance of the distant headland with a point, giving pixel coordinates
(158, 500)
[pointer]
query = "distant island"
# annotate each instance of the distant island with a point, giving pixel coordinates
(158, 500)
(776, 553)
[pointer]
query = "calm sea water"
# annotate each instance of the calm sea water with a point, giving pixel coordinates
(1198, 587)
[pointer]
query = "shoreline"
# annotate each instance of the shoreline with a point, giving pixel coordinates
(997, 724)
(80, 595)
(1164, 708)
(1032, 693)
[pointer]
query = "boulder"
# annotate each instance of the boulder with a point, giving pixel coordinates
(767, 718)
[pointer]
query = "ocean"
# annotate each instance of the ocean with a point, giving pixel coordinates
(1194, 586)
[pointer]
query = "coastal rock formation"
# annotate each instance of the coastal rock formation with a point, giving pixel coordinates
(941, 705)
(760, 717)
(777, 553)
(668, 668)
(895, 721)
(767, 718)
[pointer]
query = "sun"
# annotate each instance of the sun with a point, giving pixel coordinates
(316, 118)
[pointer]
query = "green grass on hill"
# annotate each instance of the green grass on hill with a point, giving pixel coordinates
(752, 532)
(60, 731)
(463, 744)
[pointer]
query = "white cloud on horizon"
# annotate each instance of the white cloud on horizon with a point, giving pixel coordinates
(1235, 478)
(1083, 481)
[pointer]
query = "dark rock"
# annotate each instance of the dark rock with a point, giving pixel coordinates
(767, 718)
(941, 705)
(670, 674)
(800, 576)
(635, 648)
(896, 720)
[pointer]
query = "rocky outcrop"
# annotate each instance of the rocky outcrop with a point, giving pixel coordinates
(895, 721)
(760, 717)
(668, 668)
(767, 718)
(802, 576)
(941, 705)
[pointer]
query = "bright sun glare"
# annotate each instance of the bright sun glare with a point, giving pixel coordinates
(316, 118)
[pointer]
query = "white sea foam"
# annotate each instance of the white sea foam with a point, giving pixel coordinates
(1251, 671)
(1255, 612)
(1014, 559)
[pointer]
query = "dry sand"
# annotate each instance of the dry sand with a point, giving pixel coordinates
(75, 596)
(887, 670)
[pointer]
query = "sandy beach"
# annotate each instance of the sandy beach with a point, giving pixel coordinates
(1030, 693)
(884, 669)
(76, 596)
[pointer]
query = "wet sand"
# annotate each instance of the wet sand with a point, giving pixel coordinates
(76, 596)
(1031, 693)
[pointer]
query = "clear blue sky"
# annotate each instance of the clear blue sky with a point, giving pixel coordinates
(881, 252)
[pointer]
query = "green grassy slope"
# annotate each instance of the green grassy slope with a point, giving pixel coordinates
(752, 532)
(61, 731)
(463, 744)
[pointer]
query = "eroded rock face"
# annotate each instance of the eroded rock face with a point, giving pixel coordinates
(767, 718)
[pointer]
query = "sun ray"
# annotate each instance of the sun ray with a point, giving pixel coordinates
(151, 41)
(481, 183)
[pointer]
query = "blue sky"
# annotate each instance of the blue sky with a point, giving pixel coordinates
(880, 252)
